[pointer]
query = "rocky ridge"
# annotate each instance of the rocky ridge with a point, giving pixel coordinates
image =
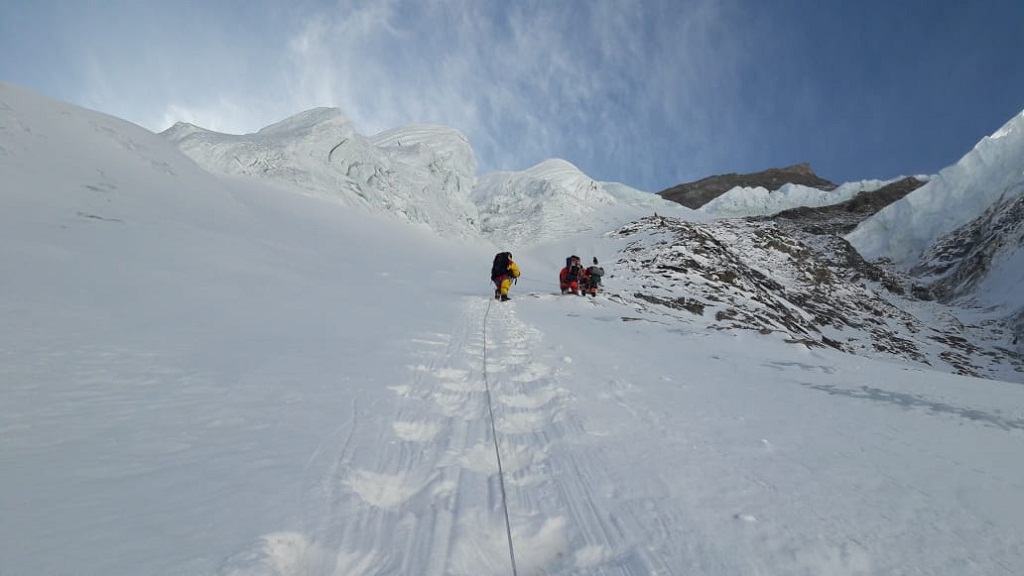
(957, 267)
(696, 194)
(780, 276)
(841, 218)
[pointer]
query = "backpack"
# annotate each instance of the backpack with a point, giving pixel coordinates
(573, 273)
(500, 266)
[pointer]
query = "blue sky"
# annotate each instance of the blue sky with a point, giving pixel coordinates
(650, 93)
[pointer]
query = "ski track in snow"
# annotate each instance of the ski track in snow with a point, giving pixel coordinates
(410, 485)
(420, 493)
(423, 495)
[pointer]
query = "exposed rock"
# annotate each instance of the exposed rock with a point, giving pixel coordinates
(696, 194)
(958, 261)
(812, 289)
(843, 217)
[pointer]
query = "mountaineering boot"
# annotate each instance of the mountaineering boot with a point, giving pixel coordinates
(505, 298)
(497, 293)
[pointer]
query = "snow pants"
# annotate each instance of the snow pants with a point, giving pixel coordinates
(501, 285)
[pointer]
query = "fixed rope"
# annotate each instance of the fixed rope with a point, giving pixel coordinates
(497, 453)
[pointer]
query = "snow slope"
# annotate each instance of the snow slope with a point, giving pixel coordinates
(990, 172)
(208, 374)
(961, 233)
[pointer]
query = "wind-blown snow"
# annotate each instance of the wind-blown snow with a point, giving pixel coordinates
(957, 195)
(759, 201)
(221, 374)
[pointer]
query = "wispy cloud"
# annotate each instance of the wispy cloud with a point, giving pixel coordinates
(649, 93)
(607, 84)
(525, 81)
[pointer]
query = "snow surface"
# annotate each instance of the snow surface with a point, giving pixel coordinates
(224, 374)
(958, 194)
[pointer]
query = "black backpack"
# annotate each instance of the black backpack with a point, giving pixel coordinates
(500, 267)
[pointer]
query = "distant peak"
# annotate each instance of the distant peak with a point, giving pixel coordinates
(696, 194)
(307, 119)
(802, 168)
(181, 130)
(555, 168)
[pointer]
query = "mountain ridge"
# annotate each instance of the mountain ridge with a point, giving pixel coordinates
(555, 200)
(425, 175)
(699, 192)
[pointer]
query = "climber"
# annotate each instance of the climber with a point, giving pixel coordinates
(569, 277)
(503, 272)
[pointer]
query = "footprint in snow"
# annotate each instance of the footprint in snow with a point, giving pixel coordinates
(416, 431)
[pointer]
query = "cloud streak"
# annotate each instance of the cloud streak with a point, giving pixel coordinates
(527, 81)
(647, 93)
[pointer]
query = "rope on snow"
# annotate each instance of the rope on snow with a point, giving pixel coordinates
(497, 453)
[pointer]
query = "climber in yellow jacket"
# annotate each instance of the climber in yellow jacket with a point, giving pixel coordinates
(503, 272)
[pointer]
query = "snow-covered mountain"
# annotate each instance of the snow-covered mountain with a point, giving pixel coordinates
(421, 174)
(555, 200)
(221, 372)
(697, 194)
(759, 201)
(957, 238)
(989, 173)
(981, 264)
(961, 233)
(811, 289)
